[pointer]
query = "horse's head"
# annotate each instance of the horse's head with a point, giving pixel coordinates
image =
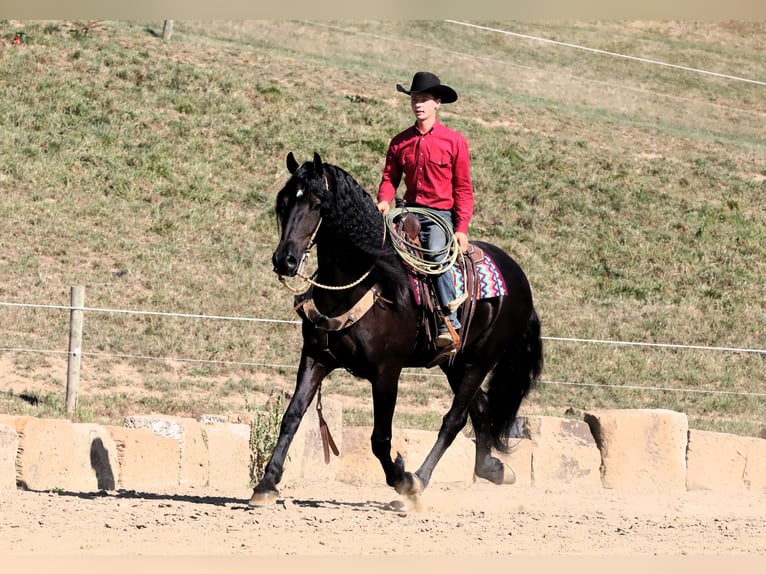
(299, 213)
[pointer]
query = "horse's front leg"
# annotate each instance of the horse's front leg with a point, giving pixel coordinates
(384, 392)
(310, 375)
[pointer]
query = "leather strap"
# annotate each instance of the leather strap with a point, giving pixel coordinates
(324, 431)
(306, 305)
(473, 256)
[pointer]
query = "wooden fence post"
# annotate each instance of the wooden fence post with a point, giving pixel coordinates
(77, 299)
(167, 30)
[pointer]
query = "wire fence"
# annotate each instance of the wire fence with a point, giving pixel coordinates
(277, 366)
(582, 341)
(579, 79)
(608, 53)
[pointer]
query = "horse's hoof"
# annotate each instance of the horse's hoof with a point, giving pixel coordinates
(509, 475)
(397, 506)
(261, 499)
(410, 486)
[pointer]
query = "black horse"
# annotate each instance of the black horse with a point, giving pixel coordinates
(323, 205)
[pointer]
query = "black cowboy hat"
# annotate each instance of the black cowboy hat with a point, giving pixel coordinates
(428, 83)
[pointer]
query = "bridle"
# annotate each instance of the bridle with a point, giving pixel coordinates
(309, 280)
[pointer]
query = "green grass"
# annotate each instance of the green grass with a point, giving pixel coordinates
(631, 194)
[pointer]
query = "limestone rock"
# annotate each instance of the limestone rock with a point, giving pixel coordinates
(228, 446)
(96, 465)
(9, 446)
(641, 448)
(148, 462)
(564, 452)
(359, 465)
(45, 454)
(719, 461)
(194, 460)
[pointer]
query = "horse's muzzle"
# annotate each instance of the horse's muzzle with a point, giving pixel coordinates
(285, 263)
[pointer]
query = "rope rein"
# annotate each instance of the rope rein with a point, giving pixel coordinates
(309, 280)
(417, 257)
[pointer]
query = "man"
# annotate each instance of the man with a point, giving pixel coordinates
(436, 166)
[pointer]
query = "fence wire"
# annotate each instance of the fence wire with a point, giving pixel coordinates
(761, 352)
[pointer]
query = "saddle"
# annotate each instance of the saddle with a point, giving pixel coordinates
(432, 315)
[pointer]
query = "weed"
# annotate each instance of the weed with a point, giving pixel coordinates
(264, 431)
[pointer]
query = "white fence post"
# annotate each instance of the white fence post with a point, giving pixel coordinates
(77, 299)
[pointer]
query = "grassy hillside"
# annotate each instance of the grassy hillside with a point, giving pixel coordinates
(630, 192)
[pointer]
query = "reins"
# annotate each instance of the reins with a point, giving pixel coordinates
(310, 281)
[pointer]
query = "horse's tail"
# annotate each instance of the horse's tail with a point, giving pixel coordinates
(517, 370)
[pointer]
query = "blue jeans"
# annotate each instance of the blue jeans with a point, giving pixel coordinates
(433, 237)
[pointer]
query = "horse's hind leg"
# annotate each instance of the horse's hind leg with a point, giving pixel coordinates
(486, 466)
(465, 383)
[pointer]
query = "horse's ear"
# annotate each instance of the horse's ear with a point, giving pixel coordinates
(292, 165)
(317, 163)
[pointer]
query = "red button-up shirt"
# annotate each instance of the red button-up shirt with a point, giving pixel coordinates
(436, 168)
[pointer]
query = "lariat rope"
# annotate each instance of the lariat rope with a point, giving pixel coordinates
(420, 259)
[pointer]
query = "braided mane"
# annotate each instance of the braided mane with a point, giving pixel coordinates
(351, 221)
(351, 212)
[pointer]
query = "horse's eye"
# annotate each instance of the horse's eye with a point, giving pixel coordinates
(299, 194)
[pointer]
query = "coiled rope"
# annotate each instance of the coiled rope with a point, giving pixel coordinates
(420, 259)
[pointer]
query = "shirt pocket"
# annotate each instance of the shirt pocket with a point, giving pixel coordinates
(440, 160)
(406, 157)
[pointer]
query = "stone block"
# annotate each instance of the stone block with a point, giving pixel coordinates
(45, 452)
(641, 448)
(228, 446)
(520, 459)
(715, 461)
(725, 462)
(239, 417)
(755, 469)
(9, 447)
(455, 466)
(564, 452)
(194, 460)
(147, 462)
(359, 465)
(96, 464)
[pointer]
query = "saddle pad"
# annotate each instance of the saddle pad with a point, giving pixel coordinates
(489, 282)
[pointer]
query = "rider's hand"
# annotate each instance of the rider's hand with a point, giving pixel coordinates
(384, 206)
(462, 239)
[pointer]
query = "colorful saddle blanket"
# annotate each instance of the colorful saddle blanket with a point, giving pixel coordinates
(488, 281)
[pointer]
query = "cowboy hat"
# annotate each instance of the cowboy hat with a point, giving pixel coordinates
(428, 83)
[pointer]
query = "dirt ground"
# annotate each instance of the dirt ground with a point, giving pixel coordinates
(338, 519)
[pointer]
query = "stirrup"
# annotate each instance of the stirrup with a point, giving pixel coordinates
(447, 338)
